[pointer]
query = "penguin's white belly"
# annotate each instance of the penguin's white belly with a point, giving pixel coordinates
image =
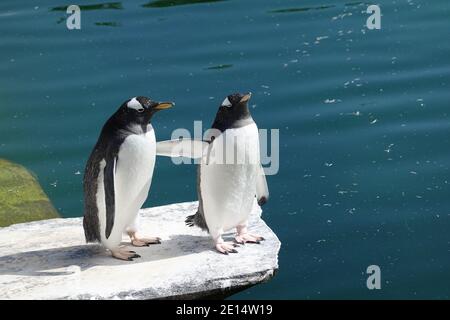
(134, 171)
(132, 180)
(228, 190)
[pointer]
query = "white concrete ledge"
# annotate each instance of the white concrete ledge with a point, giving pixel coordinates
(49, 260)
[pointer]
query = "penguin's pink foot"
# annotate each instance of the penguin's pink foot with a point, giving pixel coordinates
(124, 254)
(226, 247)
(143, 242)
(248, 238)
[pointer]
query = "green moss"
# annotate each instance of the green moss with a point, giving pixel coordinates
(21, 197)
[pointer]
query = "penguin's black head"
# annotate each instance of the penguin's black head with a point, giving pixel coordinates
(233, 109)
(139, 110)
(236, 103)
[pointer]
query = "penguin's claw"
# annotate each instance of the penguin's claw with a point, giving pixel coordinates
(145, 242)
(226, 247)
(248, 238)
(124, 254)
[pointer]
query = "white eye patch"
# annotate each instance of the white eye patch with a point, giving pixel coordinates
(226, 103)
(134, 104)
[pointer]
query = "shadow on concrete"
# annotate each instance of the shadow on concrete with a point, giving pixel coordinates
(69, 260)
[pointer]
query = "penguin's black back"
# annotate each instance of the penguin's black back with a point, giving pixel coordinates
(91, 223)
(198, 219)
(106, 148)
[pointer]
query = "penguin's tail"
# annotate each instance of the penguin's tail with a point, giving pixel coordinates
(190, 220)
(196, 220)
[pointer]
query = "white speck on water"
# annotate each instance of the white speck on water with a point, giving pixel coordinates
(328, 164)
(420, 100)
(374, 121)
(413, 172)
(321, 240)
(318, 39)
(330, 101)
(54, 184)
(292, 213)
(321, 38)
(389, 148)
(342, 16)
(77, 173)
(329, 221)
(356, 114)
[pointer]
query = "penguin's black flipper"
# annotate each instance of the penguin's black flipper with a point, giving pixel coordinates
(262, 190)
(108, 179)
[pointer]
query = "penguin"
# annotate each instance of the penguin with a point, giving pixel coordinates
(118, 176)
(226, 189)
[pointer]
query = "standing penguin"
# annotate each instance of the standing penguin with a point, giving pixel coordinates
(226, 189)
(118, 175)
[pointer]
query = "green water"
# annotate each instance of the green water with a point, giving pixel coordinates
(363, 119)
